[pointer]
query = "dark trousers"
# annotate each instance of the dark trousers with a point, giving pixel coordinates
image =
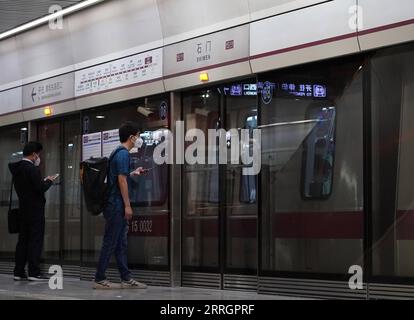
(115, 242)
(30, 243)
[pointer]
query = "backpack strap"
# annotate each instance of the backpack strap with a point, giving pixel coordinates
(109, 162)
(115, 153)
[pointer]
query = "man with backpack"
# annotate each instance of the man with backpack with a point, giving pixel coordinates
(118, 211)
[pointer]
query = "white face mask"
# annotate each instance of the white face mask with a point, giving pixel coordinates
(37, 161)
(139, 142)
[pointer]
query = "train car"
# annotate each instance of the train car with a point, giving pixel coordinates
(328, 84)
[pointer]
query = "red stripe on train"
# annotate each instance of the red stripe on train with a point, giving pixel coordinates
(292, 225)
(318, 225)
(236, 228)
(289, 225)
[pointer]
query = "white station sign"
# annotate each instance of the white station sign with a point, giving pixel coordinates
(119, 73)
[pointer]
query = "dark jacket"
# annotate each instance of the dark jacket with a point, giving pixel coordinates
(29, 185)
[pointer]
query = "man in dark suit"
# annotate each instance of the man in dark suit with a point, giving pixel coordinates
(30, 189)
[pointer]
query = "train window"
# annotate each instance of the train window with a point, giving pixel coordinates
(248, 186)
(318, 154)
(251, 122)
(150, 189)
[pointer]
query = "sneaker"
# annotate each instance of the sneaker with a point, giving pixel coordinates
(22, 277)
(132, 284)
(104, 285)
(38, 278)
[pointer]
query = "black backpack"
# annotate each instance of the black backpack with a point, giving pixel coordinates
(94, 180)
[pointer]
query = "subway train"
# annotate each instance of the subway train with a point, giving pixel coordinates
(328, 84)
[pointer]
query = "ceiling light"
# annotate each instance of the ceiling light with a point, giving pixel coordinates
(45, 19)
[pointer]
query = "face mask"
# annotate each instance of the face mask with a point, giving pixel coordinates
(139, 142)
(37, 161)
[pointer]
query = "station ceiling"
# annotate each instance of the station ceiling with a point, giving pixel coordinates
(14, 13)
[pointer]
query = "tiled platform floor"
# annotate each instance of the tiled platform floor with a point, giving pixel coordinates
(74, 289)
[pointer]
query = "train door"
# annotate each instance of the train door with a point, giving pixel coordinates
(240, 208)
(219, 218)
(61, 152)
(201, 190)
(148, 236)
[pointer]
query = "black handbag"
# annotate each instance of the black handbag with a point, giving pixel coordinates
(14, 215)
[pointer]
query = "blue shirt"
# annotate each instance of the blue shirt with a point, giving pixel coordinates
(119, 165)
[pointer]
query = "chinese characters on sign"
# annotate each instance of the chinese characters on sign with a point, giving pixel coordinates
(47, 91)
(197, 55)
(268, 89)
(122, 72)
(304, 90)
(204, 51)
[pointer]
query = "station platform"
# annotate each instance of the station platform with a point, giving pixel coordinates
(74, 289)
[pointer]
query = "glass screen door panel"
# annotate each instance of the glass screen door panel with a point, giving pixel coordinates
(70, 183)
(200, 225)
(148, 237)
(12, 140)
(241, 204)
(312, 208)
(49, 135)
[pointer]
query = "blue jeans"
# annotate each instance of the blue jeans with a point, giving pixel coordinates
(115, 241)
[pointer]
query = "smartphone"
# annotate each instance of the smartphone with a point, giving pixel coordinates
(144, 170)
(56, 176)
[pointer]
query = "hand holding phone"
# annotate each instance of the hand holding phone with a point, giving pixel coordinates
(52, 178)
(140, 171)
(137, 172)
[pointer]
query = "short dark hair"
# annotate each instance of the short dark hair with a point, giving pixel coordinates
(32, 146)
(128, 129)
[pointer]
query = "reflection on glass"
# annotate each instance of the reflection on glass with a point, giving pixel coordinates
(201, 189)
(49, 134)
(151, 188)
(12, 140)
(312, 169)
(241, 203)
(318, 155)
(248, 186)
(392, 95)
(148, 242)
(71, 186)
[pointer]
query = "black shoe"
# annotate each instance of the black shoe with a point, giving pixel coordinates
(38, 278)
(21, 277)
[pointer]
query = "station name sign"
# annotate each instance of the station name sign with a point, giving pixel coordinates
(206, 51)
